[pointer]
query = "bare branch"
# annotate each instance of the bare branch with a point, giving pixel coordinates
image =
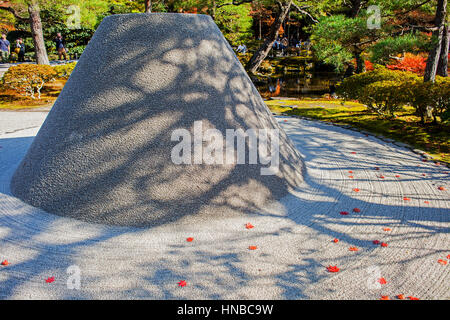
(234, 3)
(303, 11)
(13, 12)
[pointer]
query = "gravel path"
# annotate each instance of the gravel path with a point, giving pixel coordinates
(294, 237)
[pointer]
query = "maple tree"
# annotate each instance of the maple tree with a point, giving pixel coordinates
(411, 63)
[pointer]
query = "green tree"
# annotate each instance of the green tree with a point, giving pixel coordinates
(440, 39)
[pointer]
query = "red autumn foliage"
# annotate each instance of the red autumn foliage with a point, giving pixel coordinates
(249, 226)
(190, 239)
(333, 269)
(369, 65)
(5, 263)
(252, 247)
(50, 280)
(357, 210)
(411, 63)
(182, 283)
(382, 281)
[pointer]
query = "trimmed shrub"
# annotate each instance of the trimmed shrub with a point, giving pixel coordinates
(385, 97)
(385, 91)
(441, 98)
(382, 90)
(64, 71)
(28, 79)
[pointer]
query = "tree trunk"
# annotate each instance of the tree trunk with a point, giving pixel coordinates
(433, 57)
(260, 28)
(213, 10)
(37, 34)
(356, 6)
(148, 6)
(442, 69)
(360, 66)
(265, 48)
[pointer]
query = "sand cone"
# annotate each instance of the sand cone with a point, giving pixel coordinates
(104, 152)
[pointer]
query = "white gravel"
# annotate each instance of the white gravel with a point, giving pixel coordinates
(294, 236)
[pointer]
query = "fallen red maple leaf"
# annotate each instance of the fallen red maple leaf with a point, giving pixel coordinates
(353, 152)
(382, 281)
(376, 241)
(50, 280)
(249, 226)
(441, 188)
(427, 202)
(344, 213)
(353, 249)
(252, 247)
(387, 229)
(357, 210)
(356, 189)
(406, 198)
(350, 171)
(351, 177)
(442, 261)
(384, 298)
(333, 269)
(381, 177)
(5, 262)
(413, 298)
(401, 297)
(384, 244)
(397, 176)
(335, 240)
(448, 257)
(182, 283)
(189, 239)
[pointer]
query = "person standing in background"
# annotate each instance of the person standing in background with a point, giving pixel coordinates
(21, 50)
(5, 48)
(60, 46)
